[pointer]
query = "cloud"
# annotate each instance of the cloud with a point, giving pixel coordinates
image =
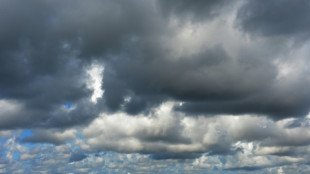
(275, 18)
(209, 78)
(49, 158)
(51, 52)
(77, 157)
(5, 134)
(185, 85)
(197, 10)
(50, 136)
(27, 156)
(168, 134)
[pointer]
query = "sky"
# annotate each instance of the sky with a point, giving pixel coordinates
(155, 86)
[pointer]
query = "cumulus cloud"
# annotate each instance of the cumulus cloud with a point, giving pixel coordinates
(195, 11)
(275, 18)
(163, 137)
(50, 51)
(202, 81)
(169, 134)
(50, 136)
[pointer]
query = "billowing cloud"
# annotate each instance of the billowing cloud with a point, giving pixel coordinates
(226, 143)
(203, 82)
(50, 136)
(275, 18)
(168, 133)
(195, 11)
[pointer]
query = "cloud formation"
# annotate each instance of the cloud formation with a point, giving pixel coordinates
(198, 82)
(166, 131)
(275, 18)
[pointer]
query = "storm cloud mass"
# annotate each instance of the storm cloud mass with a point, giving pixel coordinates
(218, 86)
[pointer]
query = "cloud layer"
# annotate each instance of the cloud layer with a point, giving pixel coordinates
(199, 82)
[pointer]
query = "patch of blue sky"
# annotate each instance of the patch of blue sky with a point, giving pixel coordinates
(3, 140)
(80, 135)
(68, 105)
(27, 133)
(16, 156)
(2, 151)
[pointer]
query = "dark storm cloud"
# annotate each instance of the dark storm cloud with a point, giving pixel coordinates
(210, 75)
(194, 10)
(47, 45)
(275, 17)
(210, 82)
(36, 69)
(170, 68)
(276, 108)
(57, 116)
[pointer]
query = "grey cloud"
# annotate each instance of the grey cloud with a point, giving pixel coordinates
(55, 117)
(194, 53)
(210, 82)
(275, 18)
(77, 157)
(190, 137)
(144, 135)
(51, 159)
(48, 45)
(162, 156)
(276, 109)
(210, 75)
(249, 168)
(301, 122)
(277, 150)
(35, 69)
(50, 136)
(194, 10)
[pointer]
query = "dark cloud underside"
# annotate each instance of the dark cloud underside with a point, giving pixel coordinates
(163, 86)
(47, 45)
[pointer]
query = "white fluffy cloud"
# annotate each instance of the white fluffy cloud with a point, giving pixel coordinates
(167, 131)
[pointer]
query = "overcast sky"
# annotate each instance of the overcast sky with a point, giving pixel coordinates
(155, 86)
